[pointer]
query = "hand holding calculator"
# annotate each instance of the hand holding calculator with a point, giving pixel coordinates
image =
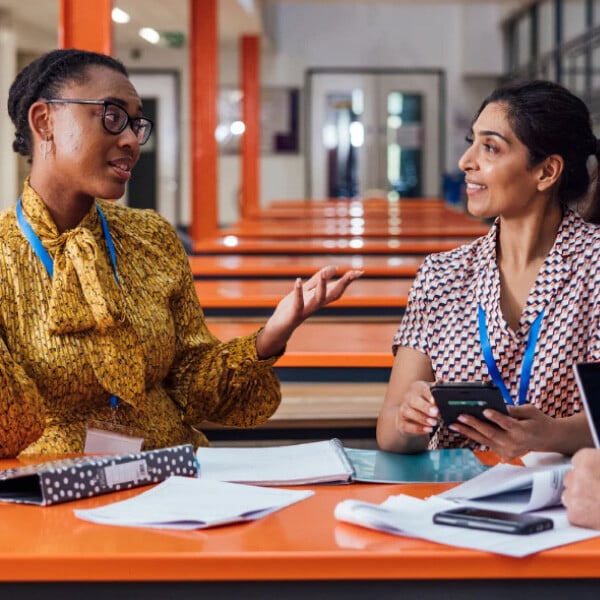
(467, 398)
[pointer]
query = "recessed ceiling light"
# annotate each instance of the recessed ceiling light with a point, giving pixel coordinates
(149, 34)
(120, 16)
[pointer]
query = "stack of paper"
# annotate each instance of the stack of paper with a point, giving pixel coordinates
(512, 488)
(408, 516)
(503, 487)
(190, 503)
(298, 464)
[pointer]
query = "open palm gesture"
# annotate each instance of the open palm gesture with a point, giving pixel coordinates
(303, 301)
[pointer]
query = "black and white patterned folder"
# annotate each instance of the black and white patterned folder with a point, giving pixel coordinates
(76, 478)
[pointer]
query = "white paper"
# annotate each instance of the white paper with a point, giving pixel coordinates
(190, 503)
(296, 464)
(539, 459)
(512, 488)
(408, 516)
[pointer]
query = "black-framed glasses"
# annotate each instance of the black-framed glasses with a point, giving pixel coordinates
(114, 118)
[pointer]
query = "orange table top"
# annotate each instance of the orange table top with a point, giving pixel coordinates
(422, 226)
(266, 293)
(356, 245)
(351, 211)
(401, 203)
(355, 207)
(242, 265)
(300, 542)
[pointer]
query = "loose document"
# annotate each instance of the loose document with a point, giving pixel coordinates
(191, 503)
(503, 487)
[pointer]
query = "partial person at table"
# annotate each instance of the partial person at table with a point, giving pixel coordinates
(99, 318)
(518, 306)
(582, 489)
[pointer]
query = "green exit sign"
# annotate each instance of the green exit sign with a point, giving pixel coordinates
(172, 39)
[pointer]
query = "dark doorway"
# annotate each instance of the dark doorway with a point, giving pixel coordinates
(143, 183)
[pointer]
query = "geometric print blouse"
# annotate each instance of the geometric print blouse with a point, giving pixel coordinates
(70, 341)
(441, 319)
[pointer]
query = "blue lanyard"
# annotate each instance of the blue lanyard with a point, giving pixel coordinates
(47, 261)
(534, 334)
(42, 253)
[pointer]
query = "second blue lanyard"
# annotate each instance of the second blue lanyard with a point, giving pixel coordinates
(534, 334)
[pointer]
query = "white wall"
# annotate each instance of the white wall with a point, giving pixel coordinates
(463, 39)
(17, 43)
(9, 188)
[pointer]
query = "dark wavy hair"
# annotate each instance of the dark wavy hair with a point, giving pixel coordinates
(45, 78)
(549, 119)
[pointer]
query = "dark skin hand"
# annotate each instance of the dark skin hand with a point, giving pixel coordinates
(524, 429)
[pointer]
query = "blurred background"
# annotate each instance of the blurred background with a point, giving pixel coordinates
(366, 98)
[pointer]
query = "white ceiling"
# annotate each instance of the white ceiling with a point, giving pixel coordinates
(40, 17)
(164, 15)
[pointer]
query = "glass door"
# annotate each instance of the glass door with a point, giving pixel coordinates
(374, 134)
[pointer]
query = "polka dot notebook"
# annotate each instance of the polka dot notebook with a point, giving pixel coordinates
(75, 478)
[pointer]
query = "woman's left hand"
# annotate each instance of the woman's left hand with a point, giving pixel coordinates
(304, 300)
(526, 428)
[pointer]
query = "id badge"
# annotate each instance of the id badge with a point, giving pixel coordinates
(105, 437)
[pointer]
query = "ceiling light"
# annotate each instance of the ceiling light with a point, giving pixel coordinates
(120, 16)
(149, 34)
(247, 5)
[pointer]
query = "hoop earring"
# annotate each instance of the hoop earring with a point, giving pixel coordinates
(46, 147)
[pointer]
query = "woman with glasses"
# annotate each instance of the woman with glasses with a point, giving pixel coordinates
(100, 324)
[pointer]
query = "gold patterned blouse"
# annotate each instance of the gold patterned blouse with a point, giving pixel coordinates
(70, 341)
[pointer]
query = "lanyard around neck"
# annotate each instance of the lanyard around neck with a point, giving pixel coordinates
(534, 334)
(42, 254)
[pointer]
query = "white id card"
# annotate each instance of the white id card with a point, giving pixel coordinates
(103, 437)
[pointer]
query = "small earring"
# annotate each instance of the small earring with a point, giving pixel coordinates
(46, 147)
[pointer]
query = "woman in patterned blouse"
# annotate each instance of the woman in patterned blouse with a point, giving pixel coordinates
(519, 306)
(98, 309)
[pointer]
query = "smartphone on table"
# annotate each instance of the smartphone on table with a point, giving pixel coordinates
(467, 398)
(493, 520)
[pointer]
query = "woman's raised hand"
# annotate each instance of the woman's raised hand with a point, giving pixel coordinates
(303, 301)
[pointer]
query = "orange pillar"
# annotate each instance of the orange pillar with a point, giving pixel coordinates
(86, 25)
(203, 117)
(250, 73)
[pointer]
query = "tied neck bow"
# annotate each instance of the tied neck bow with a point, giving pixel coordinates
(85, 297)
(84, 292)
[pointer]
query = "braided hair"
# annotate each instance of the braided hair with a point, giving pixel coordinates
(45, 78)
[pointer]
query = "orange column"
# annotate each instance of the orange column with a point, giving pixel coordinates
(203, 117)
(250, 72)
(86, 25)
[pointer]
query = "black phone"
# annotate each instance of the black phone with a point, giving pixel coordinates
(493, 520)
(467, 398)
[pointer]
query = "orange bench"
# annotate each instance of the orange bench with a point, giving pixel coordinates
(248, 297)
(334, 375)
(324, 344)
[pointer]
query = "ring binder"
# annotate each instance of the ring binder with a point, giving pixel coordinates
(68, 479)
